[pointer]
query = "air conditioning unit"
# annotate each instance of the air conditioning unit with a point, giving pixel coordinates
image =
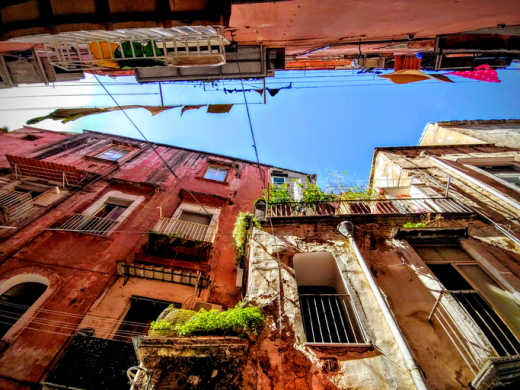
(206, 306)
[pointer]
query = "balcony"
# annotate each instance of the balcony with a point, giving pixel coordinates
(179, 239)
(186, 230)
(88, 224)
(64, 175)
(164, 274)
(353, 207)
(14, 205)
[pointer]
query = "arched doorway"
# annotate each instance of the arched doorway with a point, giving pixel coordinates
(15, 301)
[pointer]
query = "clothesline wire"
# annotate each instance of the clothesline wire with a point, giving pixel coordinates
(152, 145)
(423, 84)
(192, 83)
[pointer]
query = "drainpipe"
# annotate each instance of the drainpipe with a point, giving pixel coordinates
(414, 370)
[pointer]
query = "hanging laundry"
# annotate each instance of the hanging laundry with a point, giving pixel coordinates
(274, 91)
(187, 108)
(482, 72)
(71, 114)
(154, 110)
(219, 108)
(259, 91)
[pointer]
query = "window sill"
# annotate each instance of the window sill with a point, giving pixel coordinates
(340, 347)
(213, 181)
(102, 160)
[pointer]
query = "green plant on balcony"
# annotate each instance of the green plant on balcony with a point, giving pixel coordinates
(414, 225)
(278, 193)
(168, 320)
(312, 193)
(357, 193)
(243, 223)
(238, 321)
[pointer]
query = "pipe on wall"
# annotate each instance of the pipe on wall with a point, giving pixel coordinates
(415, 371)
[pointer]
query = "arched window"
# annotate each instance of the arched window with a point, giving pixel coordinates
(15, 302)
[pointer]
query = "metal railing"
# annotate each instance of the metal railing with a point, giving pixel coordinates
(100, 49)
(88, 224)
(184, 229)
(65, 175)
(164, 274)
(14, 205)
(331, 319)
(465, 338)
(400, 206)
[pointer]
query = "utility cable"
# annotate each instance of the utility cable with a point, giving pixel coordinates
(154, 148)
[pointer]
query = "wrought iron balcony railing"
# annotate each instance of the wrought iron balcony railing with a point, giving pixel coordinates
(14, 205)
(184, 229)
(403, 206)
(89, 224)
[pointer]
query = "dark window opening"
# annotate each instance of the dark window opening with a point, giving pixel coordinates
(111, 211)
(458, 273)
(138, 318)
(507, 172)
(15, 302)
(30, 137)
(195, 217)
(34, 189)
(328, 316)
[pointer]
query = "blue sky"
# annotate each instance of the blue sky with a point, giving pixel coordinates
(330, 121)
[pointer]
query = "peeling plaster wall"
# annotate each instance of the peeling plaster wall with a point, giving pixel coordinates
(497, 132)
(379, 368)
(431, 166)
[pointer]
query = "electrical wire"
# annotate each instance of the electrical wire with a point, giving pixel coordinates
(154, 148)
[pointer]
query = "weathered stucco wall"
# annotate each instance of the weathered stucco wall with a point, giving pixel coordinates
(497, 132)
(380, 367)
(81, 268)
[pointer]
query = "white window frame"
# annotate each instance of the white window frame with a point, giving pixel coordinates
(475, 164)
(196, 208)
(218, 168)
(358, 318)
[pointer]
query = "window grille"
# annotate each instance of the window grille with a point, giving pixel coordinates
(89, 224)
(164, 274)
(14, 205)
(329, 318)
(495, 329)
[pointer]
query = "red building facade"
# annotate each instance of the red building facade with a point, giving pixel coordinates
(100, 234)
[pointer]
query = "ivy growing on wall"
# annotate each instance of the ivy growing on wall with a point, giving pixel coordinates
(243, 223)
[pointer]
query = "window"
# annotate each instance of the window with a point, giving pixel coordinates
(15, 302)
(34, 189)
(114, 153)
(507, 172)
(328, 313)
(202, 219)
(216, 173)
(278, 180)
(141, 313)
(102, 216)
(112, 209)
(490, 306)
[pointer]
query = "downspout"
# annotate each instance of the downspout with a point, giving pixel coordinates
(414, 370)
